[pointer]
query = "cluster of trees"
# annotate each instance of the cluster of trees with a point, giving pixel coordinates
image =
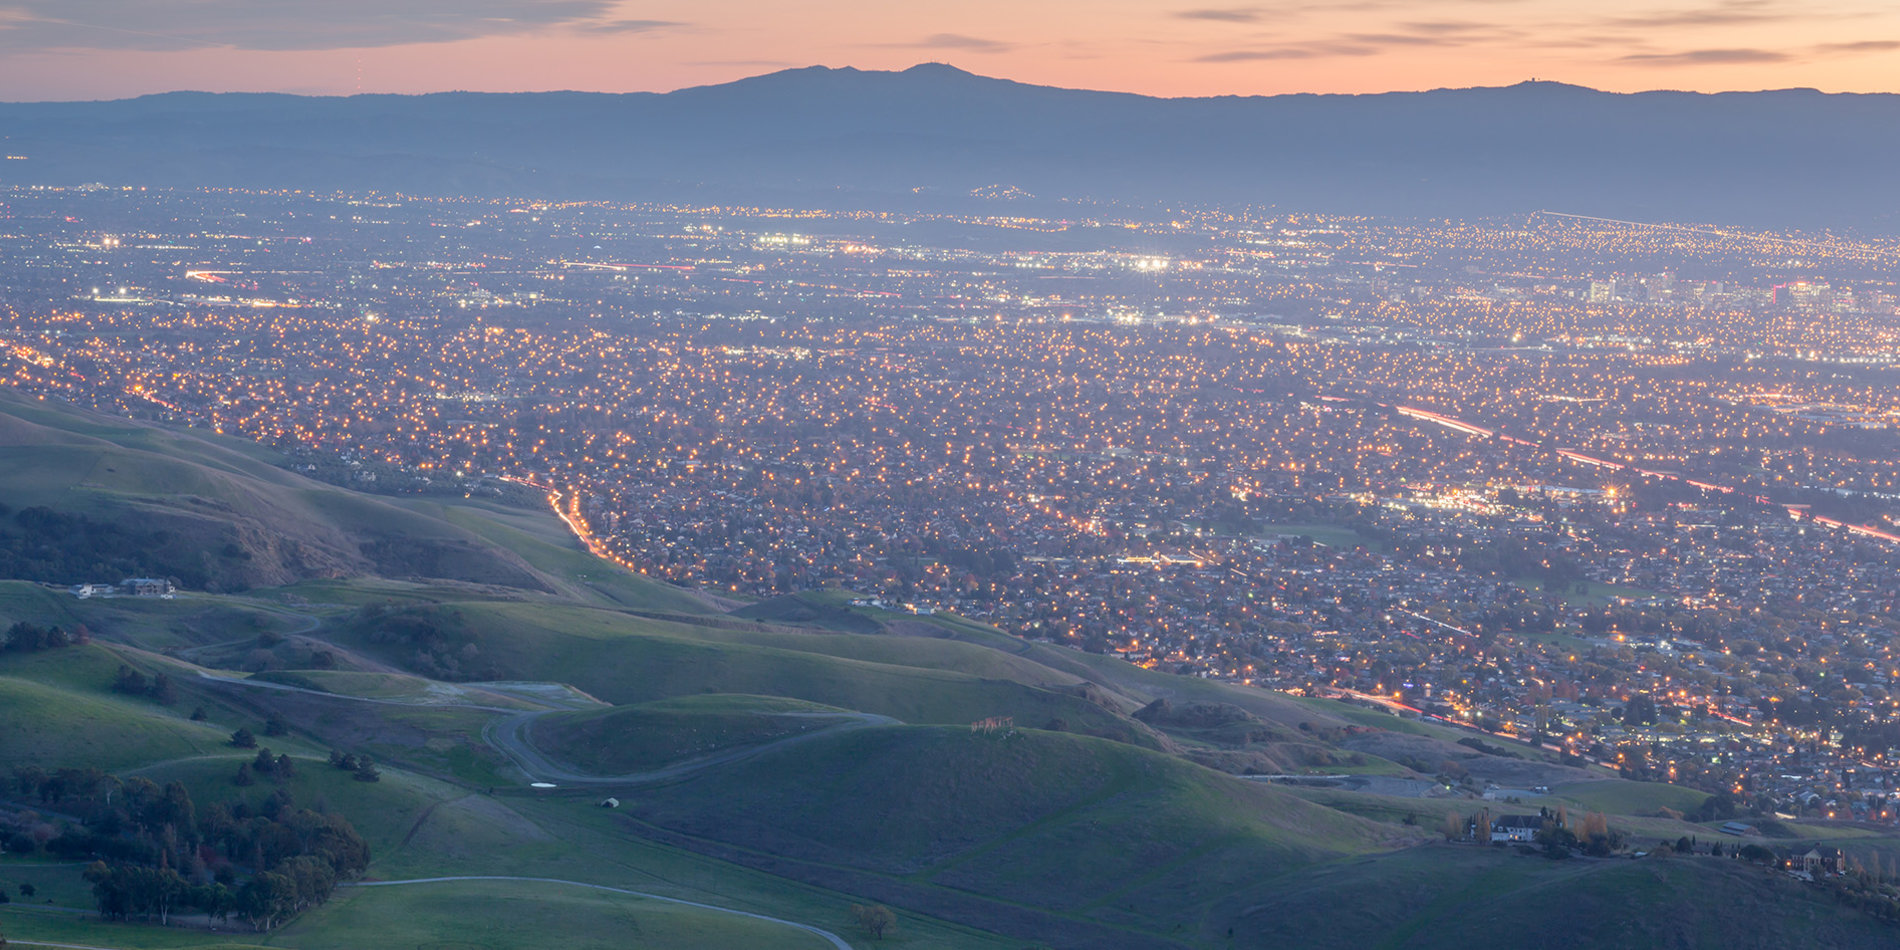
(56, 787)
(243, 738)
(156, 687)
(24, 637)
(1871, 735)
(1717, 807)
(876, 919)
(1640, 710)
(1592, 835)
(41, 544)
(156, 853)
(1554, 568)
(1871, 887)
(361, 767)
(276, 768)
(981, 561)
(1877, 902)
(441, 642)
(1558, 834)
(128, 891)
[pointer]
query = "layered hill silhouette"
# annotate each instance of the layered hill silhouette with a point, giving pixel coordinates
(930, 134)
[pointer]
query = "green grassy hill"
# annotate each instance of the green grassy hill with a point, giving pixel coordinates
(623, 739)
(424, 633)
(470, 914)
(51, 728)
(124, 498)
(1458, 897)
(1029, 830)
(63, 711)
(627, 659)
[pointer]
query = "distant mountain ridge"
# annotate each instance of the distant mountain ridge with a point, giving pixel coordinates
(932, 133)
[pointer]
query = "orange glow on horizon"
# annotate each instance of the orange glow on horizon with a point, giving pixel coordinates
(1187, 49)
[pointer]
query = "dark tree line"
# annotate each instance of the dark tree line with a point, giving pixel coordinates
(276, 768)
(41, 544)
(155, 853)
(24, 637)
(156, 687)
(361, 767)
(442, 643)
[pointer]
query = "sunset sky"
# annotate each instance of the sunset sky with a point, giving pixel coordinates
(88, 49)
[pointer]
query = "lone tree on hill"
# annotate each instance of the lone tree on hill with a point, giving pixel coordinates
(1454, 826)
(243, 739)
(876, 919)
(161, 690)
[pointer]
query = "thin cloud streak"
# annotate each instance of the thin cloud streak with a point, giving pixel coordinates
(630, 26)
(1860, 46)
(958, 41)
(1706, 57)
(1226, 15)
(1308, 51)
(146, 25)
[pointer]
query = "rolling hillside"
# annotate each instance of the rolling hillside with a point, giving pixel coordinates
(768, 768)
(1070, 839)
(89, 497)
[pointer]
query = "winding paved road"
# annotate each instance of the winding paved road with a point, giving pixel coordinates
(508, 736)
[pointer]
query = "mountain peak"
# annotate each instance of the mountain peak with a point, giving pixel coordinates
(1548, 85)
(939, 69)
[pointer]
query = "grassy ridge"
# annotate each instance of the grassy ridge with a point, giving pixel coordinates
(480, 915)
(222, 514)
(545, 543)
(157, 624)
(61, 712)
(1061, 822)
(1459, 897)
(106, 732)
(626, 739)
(1053, 837)
(384, 812)
(627, 660)
(22, 925)
(1124, 679)
(22, 600)
(1623, 797)
(393, 686)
